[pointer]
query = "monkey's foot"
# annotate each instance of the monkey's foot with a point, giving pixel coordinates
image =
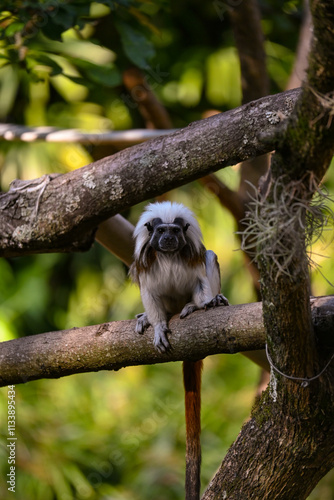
(218, 300)
(188, 309)
(160, 338)
(142, 323)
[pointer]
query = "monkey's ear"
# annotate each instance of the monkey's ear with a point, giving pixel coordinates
(149, 227)
(186, 227)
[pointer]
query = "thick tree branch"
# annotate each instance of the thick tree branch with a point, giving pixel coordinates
(287, 446)
(306, 143)
(112, 346)
(116, 234)
(302, 156)
(63, 214)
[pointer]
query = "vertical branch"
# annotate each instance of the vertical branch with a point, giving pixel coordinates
(302, 156)
(249, 38)
(287, 445)
(303, 48)
(285, 285)
(151, 109)
(248, 34)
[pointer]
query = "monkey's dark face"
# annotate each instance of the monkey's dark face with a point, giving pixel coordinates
(168, 238)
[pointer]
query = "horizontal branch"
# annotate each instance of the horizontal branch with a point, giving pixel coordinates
(10, 132)
(112, 346)
(60, 213)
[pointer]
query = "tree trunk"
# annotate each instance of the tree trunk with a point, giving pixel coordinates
(288, 444)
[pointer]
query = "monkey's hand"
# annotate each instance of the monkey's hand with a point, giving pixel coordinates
(218, 300)
(142, 323)
(160, 337)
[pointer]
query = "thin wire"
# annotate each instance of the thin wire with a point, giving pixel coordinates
(304, 380)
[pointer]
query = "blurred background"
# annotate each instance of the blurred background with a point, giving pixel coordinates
(68, 64)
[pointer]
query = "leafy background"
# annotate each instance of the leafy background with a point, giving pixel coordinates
(121, 435)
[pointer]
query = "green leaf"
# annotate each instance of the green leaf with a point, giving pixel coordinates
(66, 17)
(107, 75)
(13, 28)
(135, 44)
(78, 79)
(48, 61)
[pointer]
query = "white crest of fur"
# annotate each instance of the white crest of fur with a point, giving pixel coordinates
(167, 211)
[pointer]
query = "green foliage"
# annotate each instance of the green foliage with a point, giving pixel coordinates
(30, 29)
(90, 435)
(121, 435)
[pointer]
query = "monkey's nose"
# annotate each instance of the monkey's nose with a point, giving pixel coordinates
(169, 242)
(168, 238)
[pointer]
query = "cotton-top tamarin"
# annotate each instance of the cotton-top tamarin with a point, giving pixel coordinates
(176, 275)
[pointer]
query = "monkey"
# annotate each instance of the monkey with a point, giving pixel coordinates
(176, 275)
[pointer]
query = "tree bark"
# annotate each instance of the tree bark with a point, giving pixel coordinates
(112, 346)
(62, 213)
(246, 24)
(288, 444)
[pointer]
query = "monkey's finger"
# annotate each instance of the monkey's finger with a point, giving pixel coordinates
(222, 300)
(162, 348)
(161, 342)
(218, 300)
(140, 328)
(188, 309)
(142, 323)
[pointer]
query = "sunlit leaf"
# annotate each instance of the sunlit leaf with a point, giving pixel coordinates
(13, 28)
(44, 59)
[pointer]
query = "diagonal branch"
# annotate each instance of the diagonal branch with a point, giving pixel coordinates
(151, 109)
(64, 218)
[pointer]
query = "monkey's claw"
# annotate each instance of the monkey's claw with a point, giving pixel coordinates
(218, 300)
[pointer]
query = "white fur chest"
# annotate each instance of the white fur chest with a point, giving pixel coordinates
(169, 275)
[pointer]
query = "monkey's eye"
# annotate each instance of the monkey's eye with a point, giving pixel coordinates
(161, 230)
(176, 230)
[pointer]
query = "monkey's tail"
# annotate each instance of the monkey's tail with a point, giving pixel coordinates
(192, 374)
